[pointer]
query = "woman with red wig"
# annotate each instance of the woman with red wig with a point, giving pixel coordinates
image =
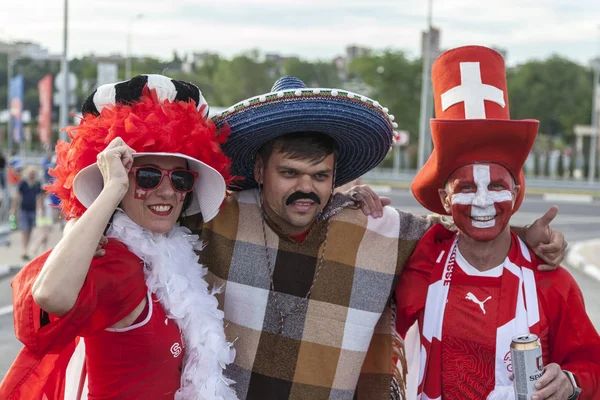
(140, 322)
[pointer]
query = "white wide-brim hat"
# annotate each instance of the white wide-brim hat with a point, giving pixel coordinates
(208, 193)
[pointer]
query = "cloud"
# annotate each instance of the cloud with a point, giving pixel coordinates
(311, 28)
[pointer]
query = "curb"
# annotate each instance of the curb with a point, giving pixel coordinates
(6, 270)
(575, 260)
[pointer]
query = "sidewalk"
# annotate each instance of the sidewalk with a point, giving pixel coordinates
(10, 256)
(585, 256)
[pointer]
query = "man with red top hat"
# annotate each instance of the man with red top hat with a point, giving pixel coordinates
(472, 290)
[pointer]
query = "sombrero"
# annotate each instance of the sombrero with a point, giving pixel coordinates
(361, 128)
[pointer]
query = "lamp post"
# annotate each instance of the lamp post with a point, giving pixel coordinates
(425, 83)
(595, 109)
(128, 58)
(11, 58)
(64, 101)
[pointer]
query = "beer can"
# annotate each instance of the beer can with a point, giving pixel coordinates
(527, 363)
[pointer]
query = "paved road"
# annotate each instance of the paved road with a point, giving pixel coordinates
(577, 221)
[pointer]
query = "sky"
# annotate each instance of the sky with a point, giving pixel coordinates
(310, 29)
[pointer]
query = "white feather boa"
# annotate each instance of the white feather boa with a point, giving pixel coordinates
(173, 274)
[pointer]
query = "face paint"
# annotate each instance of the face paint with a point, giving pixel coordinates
(140, 194)
(481, 200)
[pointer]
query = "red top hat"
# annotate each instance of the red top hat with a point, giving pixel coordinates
(472, 123)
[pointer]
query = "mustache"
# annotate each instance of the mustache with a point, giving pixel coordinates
(301, 195)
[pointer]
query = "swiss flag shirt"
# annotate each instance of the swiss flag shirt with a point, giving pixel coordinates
(468, 350)
(469, 334)
(142, 361)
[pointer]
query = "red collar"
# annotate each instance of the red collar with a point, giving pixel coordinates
(299, 237)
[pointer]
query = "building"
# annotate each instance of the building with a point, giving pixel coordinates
(28, 50)
(434, 36)
(503, 52)
(353, 52)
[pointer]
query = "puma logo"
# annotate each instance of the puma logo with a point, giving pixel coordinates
(471, 296)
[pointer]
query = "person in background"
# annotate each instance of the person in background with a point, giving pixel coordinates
(28, 201)
(2, 171)
(48, 215)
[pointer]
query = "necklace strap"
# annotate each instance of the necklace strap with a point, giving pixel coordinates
(271, 269)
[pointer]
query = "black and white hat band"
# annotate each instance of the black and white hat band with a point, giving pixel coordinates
(130, 91)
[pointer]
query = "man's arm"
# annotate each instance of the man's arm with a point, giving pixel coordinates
(548, 244)
(574, 343)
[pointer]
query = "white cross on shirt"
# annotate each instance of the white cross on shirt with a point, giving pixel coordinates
(472, 92)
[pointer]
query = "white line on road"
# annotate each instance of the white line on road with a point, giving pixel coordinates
(381, 189)
(6, 310)
(569, 198)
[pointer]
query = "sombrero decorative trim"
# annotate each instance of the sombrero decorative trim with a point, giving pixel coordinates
(472, 123)
(361, 127)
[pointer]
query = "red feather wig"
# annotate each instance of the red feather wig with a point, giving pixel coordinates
(147, 125)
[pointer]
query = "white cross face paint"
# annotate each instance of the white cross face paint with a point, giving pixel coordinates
(481, 201)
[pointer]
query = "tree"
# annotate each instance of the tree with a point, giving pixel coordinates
(242, 77)
(317, 74)
(557, 92)
(394, 81)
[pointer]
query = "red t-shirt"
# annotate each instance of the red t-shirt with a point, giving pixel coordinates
(469, 333)
(142, 361)
(567, 335)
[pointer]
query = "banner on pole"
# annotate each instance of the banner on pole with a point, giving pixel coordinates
(45, 115)
(16, 107)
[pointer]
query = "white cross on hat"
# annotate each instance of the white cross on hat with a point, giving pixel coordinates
(472, 91)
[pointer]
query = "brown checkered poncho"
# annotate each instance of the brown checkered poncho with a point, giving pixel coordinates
(340, 345)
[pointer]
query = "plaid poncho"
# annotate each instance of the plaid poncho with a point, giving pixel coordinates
(340, 344)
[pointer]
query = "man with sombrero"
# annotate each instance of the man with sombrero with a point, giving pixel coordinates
(307, 277)
(474, 289)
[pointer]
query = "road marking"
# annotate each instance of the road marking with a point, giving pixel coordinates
(6, 310)
(381, 189)
(569, 198)
(576, 260)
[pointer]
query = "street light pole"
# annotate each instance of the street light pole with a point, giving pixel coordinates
(595, 109)
(425, 83)
(64, 104)
(9, 76)
(594, 137)
(128, 57)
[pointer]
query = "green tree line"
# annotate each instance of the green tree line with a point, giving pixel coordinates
(556, 91)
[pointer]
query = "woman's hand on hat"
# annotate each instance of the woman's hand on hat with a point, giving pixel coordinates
(114, 163)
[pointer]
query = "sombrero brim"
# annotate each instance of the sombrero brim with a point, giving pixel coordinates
(208, 194)
(361, 128)
(462, 142)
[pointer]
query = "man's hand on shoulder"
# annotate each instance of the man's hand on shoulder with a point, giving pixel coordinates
(367, 200)
(547, 243)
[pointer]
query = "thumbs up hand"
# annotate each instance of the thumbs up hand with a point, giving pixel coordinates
(548, 244)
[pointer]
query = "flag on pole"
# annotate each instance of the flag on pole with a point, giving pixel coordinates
(16, 107)
(45, 114)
